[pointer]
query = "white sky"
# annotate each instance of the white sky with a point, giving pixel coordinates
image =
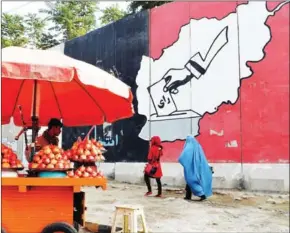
(24, 7)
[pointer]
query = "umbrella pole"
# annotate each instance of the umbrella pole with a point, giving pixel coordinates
(34, 119)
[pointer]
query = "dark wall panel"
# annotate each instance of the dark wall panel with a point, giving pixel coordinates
(118, 48)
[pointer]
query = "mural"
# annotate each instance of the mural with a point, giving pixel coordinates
(216, 70)
(201, 70)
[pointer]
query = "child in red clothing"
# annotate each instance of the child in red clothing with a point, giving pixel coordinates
(155, 152)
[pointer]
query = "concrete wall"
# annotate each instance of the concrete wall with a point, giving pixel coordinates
(237, 105)
(254, 177)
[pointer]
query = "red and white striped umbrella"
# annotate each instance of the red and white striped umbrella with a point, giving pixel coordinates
(50, 84)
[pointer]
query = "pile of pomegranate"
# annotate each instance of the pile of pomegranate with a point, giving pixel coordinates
(50, 158)
(86, 151)
(85, 172)
(9, 158)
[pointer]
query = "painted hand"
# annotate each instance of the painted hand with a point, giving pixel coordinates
(175, 78)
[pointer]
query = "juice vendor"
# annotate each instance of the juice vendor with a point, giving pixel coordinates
(49, 136)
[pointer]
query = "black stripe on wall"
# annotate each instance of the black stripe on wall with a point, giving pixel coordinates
(116, 47)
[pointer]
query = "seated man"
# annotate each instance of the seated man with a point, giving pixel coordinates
(49, 136)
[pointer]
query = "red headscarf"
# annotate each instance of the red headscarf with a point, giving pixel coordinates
(155, 148)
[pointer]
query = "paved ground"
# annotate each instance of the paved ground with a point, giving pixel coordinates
(226, 211)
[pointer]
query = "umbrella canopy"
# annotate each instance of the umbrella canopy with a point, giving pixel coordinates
(50, 84)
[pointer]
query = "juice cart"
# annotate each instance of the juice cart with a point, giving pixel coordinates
(49, 85)
(44, 205)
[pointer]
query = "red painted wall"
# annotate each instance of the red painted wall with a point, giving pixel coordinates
(259, 120)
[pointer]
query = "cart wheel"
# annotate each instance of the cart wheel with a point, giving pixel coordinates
(59, 227)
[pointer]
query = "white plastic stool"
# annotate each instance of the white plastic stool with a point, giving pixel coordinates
(130, 214)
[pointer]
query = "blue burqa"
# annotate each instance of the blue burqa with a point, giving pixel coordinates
(197, 172)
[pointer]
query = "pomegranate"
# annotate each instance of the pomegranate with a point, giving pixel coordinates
(51, 156)
(53, 161)
(94, 174)
(50, 166)
(89, 169)
(56, 150)
(59, 165)
(47, 151)
(5, 165)
(79, 173)
(46, 161)
(86, 175)
(70, 174)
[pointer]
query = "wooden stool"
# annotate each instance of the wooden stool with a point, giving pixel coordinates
(130, 214)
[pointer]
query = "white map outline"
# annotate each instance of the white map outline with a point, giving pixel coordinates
(251, 33)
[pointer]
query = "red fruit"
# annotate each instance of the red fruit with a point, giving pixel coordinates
(36, 158)
(5, 165)
(12, 162)
(88, 146)
(61, 161)
(40, 153)
(75, 157)
(58, 156)
(70, 174)
(5, 151)
(83, 157)
(76, 176)
(94, 174)
(74, 151)
(13, 157)
(91, 158)
(5, 160)
(82, 168)
(59, 165)
(89, 169)
(50, 166)
(47, 151)
(55, 150)
(64, 157)
(46, 161)
(41, 166)
(86, 175)
(94, 151)
(53, 161)
(34, 165)
(68, 154)
(51, 156)
(87, 153)
(66, 166)
(80, 151)
(79, 173)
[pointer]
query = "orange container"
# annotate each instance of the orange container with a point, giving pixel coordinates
(30, 204)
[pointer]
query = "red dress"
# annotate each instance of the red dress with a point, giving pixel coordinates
(154, 155)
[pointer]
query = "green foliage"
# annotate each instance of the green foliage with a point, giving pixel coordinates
(72, 18)
(136, 6)
(111, 14)
(47, 41)
(34, 29)
(66, 19)
(13, 31)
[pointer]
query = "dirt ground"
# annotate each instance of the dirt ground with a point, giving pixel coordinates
(225, 211)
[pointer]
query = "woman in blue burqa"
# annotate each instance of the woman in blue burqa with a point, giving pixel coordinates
(197, 172)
